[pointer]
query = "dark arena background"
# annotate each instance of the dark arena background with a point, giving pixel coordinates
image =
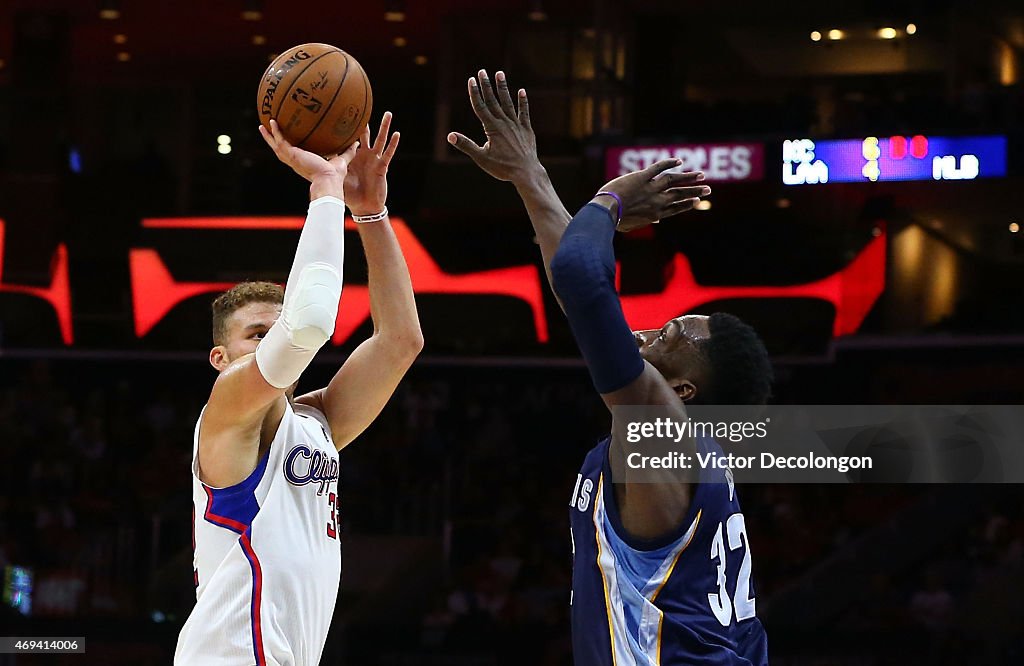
(867, 160)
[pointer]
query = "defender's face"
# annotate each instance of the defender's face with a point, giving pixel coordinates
(674, 349)
(246, 327)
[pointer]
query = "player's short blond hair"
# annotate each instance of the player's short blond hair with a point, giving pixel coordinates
(239, 296)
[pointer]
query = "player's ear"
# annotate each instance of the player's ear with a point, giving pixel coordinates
(685, 390)
(219, 357)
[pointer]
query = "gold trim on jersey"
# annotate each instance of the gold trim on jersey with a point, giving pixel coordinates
(692, 531)
(661, 614)
(649, 638)
(604, 579)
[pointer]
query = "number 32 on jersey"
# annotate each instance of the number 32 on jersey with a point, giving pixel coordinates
(735, 531)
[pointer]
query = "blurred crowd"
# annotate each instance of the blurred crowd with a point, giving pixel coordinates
(87, 469)
(95, 499)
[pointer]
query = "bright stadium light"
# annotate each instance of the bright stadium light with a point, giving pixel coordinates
(109, 10)
(252, 10)
(394, 11)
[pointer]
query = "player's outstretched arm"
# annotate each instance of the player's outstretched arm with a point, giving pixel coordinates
(583, 272)
(510, 154)
(365, 383)
(242, 397)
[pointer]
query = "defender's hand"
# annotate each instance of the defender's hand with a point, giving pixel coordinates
(306, 164)
(510, 152)
(653, 193)
(366, 184)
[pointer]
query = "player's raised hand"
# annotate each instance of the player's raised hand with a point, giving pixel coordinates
(306, 164)
(366, 185)
(510, 151)
(654, 193)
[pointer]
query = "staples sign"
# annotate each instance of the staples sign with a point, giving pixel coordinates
(720, 162)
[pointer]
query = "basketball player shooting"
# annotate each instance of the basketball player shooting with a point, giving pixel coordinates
(265, 463)
(661, 571)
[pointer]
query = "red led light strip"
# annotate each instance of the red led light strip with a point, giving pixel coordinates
(852, 291)
(155, 292)
(58, 294)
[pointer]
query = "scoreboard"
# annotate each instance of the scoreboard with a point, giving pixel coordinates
(894, 158)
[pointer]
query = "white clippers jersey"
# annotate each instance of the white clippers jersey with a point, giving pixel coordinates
(267, 554)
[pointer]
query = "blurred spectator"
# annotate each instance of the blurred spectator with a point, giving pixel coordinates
(95, 496)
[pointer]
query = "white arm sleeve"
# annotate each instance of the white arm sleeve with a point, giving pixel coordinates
(311, 296)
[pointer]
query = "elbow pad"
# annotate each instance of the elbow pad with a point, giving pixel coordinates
(310, 317)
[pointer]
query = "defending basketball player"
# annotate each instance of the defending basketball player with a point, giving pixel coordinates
(654, 582)
(265, 462)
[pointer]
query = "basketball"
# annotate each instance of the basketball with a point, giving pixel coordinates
(318, 94)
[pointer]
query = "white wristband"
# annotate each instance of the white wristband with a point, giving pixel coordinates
(366, 219)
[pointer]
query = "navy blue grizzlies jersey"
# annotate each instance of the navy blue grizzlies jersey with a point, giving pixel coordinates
(686, 599)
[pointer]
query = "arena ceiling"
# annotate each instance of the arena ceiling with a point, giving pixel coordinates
(198, 39)
(209, 39)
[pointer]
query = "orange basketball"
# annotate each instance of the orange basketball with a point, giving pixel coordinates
(319, 95)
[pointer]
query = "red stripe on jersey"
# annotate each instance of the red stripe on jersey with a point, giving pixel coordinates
(257, 599)
(223, 521)
(195, 572)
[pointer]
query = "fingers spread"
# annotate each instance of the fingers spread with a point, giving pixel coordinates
(364, 137)
(678, 207)
(660, 166)
(392, 146)
(464, 144)
(670, 179)
(275, 129)
(350, 152)
(476, 99)
(504, 98)
(268, 138)
(524, 109)
(488, 93)
(382, 134)
(680, 193)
